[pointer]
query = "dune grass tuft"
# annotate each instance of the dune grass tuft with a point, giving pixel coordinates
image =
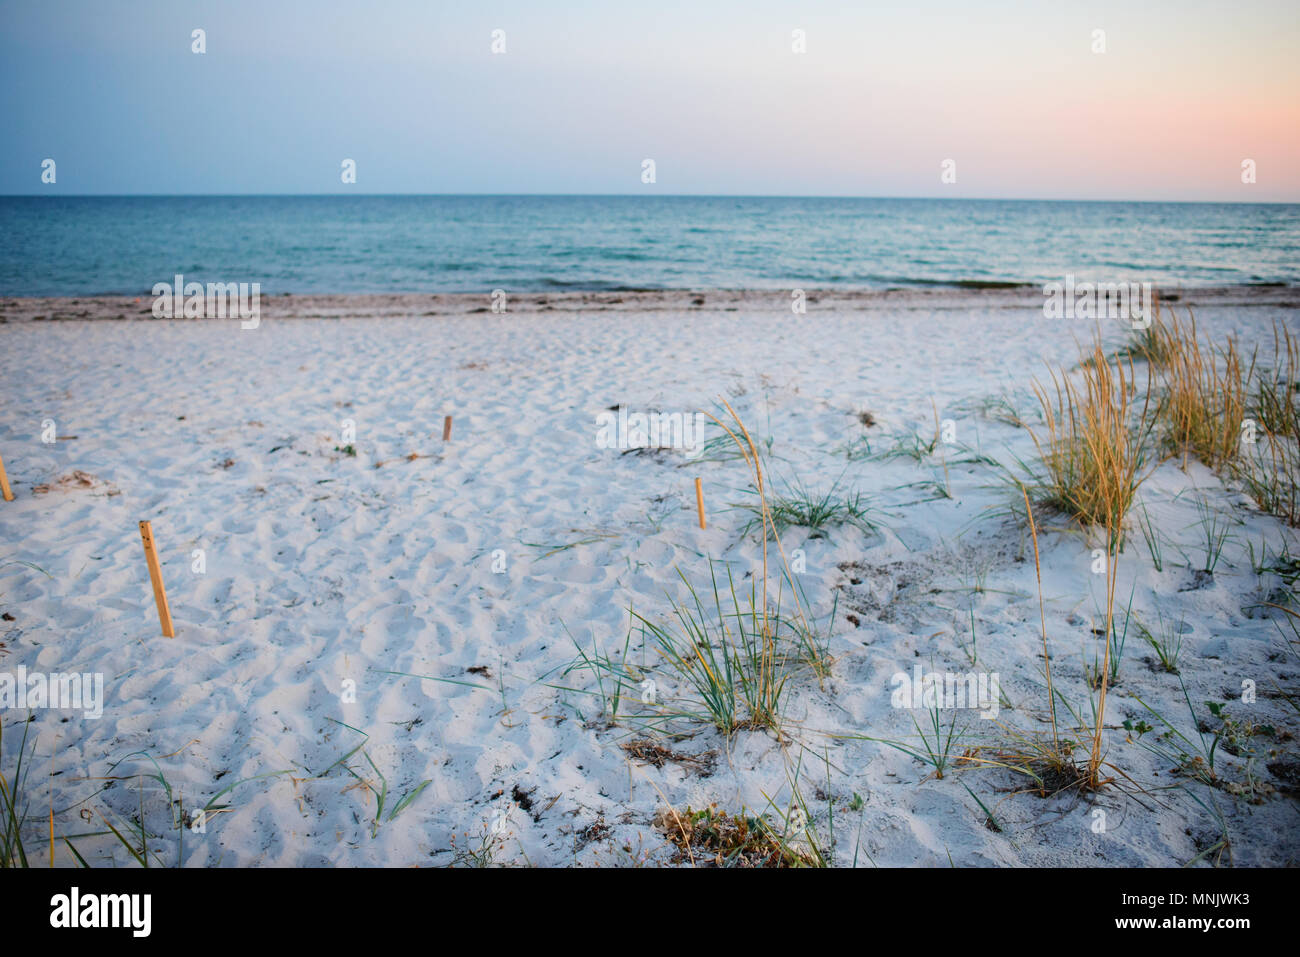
(1166, 641)
(726, 654)
(1092, 444)
(732, 652)
(1205, 394)
(797, 506)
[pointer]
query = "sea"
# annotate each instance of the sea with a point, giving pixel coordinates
(93, 245)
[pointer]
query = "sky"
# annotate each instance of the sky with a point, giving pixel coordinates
(711, 90)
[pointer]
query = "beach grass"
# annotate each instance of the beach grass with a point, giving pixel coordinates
(811, 639)
(937, 742)
(615, 679)
(15, 802)
(1092, 444)
(795, 505)
(1094, 454)
(1149, 344)
(725, 653)
(1153, 537)
(728, 651)
(1204, 398)
(1166, 641)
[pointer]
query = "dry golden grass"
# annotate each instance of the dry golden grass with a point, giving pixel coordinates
(1237, 418)
(1094, 457)
(1093, 445)
(1205, 396)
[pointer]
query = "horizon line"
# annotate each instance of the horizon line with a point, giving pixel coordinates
(645, 195)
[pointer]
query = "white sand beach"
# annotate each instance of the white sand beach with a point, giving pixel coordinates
(451, 584)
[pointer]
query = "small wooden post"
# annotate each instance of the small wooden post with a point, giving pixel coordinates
(699, 502)
(155, 575)
(446, 428)
(4, 483)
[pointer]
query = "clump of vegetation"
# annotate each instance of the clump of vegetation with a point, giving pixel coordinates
(726, 447)
(910, 446)
(1282, 565)
(1271, 476)
(1166, 642)
(796, 506)
(713, 838)
(937, 742)
(1048, 762)
(730, 651)
(1004, 409)
(1205, 394)
(1239, 418)
(732, 657)
(811, 641)
(1092, 448)
(616, 679)
(726, 654)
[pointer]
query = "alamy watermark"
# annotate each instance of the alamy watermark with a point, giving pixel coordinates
(75, 909)
(977, 690)
(218, 300)
(650, 430)
(59, 691)
(1099, 300)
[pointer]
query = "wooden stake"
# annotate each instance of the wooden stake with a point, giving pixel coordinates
(155, 575)
(699, 502)
(4, 483)
(446, 428)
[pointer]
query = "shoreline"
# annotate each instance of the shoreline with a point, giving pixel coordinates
(819, 300)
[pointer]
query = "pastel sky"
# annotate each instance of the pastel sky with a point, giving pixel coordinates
(710, 89)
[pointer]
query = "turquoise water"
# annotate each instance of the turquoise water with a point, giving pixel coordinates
(299, 244)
